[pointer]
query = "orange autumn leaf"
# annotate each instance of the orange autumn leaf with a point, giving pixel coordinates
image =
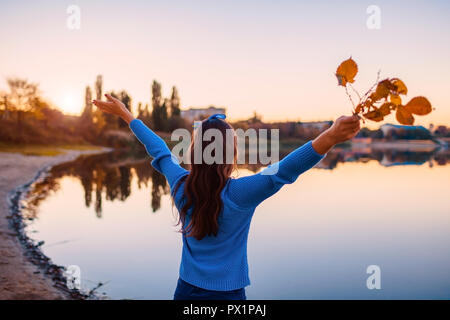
(382, 91)
(404, 116)
(374, 115)
(385, 108)
(346, 72)
(400, 85)
(419, 105)
(395, 99)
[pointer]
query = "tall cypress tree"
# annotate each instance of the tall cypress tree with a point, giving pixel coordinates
(86, 116)
(174, 103)
(157, 106)
(164, 115)
(99, 87)
(140, 111)
(98, 117)
(126, 99)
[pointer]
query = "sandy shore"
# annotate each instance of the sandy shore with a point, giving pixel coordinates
(19, 278)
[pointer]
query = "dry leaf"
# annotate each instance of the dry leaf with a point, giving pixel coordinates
(400, 85)
(404, 116)
(395, 99)
(419, 105)
(374, 115)
(346, 72)
(382, 91)
(385, 108)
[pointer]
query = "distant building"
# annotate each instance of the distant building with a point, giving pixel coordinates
(193, 114)
(399, 132)
(389, 128)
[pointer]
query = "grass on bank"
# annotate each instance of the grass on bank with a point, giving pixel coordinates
(44, 150)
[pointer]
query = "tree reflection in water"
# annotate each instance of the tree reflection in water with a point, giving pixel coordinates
(108, 176)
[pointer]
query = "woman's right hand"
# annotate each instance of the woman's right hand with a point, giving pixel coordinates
(343, 129)
(114, 106)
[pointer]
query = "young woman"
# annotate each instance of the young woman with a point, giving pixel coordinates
(215, 210)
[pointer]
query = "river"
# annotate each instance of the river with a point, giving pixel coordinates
(112, 216)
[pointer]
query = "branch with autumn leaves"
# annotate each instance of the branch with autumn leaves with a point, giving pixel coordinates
(383, 98)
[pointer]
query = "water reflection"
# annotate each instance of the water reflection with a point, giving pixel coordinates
(109, 175)
(98, 212)
(105, 174)
(387, 158)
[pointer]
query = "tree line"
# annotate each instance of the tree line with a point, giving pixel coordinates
(27, 118)
(165, 114)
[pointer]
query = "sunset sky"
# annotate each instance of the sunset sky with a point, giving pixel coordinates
(277, 58)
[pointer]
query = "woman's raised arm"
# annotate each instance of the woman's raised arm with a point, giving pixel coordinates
(248, 192)
(163, 160)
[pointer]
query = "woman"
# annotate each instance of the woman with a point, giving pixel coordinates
(215, 210)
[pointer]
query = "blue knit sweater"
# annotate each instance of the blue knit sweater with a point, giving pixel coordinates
(220, 262)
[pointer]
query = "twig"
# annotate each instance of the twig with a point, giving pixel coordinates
(373, 86)
(355, 91)
(351, 100)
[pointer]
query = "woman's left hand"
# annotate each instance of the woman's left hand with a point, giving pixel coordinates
(114, 106)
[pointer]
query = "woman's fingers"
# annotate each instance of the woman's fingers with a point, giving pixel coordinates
(104, 105)
(355, 131)
(350, 133)
(112, 105)
(345, 128)
(349, 119)
(351, 129)
(111, 98)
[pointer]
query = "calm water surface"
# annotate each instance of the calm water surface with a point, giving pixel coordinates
(112, 216)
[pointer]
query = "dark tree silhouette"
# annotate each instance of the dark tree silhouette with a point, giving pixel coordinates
(99, 117)
(159, 113)
(86, 116)
(98, 87)
(175, 103)
(158, 189)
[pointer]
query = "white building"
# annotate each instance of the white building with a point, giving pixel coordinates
(386, 128)
(193, 114)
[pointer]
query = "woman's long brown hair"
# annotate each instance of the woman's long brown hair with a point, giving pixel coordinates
(205, 182)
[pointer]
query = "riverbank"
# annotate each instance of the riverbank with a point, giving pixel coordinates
(19, 277)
